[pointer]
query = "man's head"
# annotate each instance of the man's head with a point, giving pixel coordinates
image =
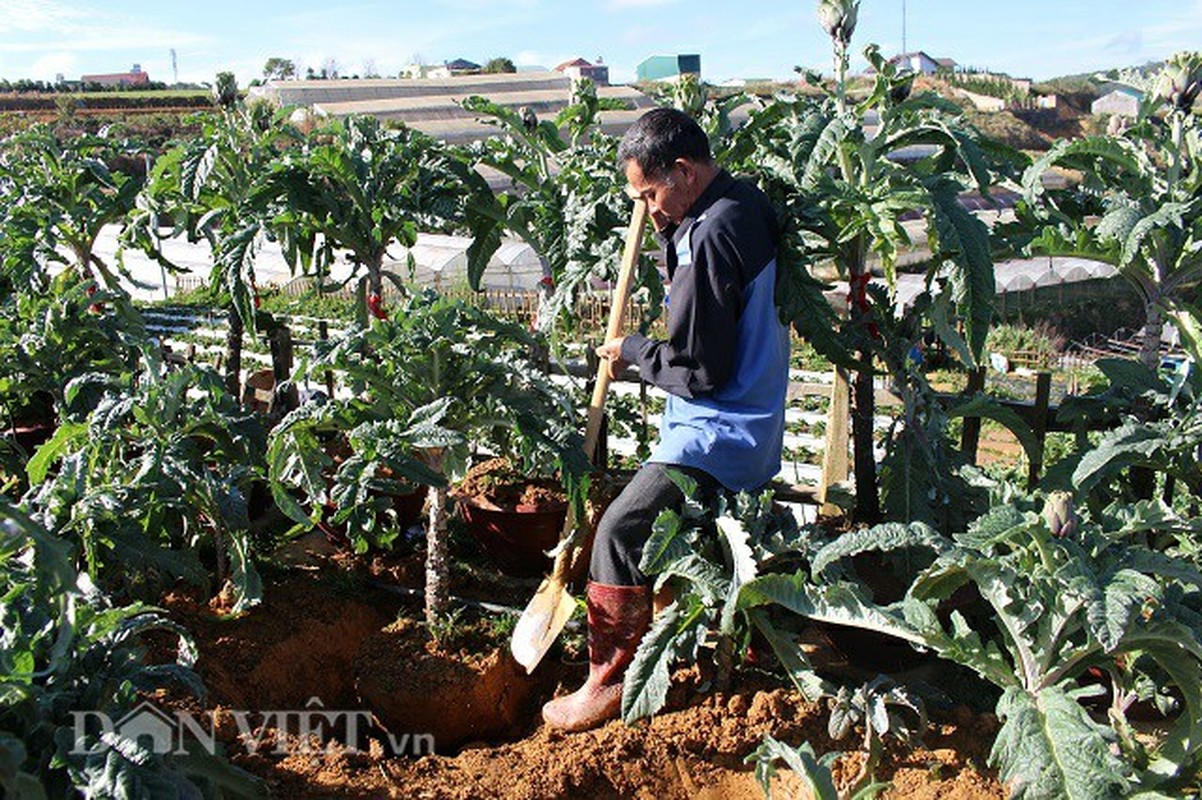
(666, 157)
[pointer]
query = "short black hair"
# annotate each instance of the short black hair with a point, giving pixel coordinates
(661, 136)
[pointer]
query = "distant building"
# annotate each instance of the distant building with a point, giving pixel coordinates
(423, 71)
(135, 77)
(1122, 100)
(461, 66)
(579, 68)
(922, 63)
(668, 68)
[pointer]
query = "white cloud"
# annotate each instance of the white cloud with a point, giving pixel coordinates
(53, 64)
(33, 16)
(45, 37)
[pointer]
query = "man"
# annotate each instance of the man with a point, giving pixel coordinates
(724, 366)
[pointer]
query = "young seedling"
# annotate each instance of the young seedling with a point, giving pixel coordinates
(883, 708)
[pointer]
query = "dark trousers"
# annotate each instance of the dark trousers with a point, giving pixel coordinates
(626, 524)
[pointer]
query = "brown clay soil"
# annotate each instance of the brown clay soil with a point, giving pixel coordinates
(322, 630)
(498, 484)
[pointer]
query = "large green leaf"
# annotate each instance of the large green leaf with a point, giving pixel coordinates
(1118, 449)
(880, 538)
(1084, 154)
(981, 405)
(841, 604)
(52, 449)
(964, 239)
(1049, 747)
(742, 563)
(792, 658)
(645, 687)
(1168, 215)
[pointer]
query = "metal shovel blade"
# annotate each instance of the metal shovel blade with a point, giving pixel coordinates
(545, 615)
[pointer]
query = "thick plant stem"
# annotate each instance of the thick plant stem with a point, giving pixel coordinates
(1149, 346)
(437, 568)
(233, 353)
(868, 504)
(725, 658)
(375, 277)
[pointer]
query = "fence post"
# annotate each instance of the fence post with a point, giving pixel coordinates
(834, 456)
(970, 434)
(323, 333)
(281, 367)
(1039, 424)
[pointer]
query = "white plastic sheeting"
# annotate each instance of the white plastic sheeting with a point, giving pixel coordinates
(440, 262)
(1010, 277)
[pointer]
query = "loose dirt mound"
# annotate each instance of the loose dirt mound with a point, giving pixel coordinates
(693, 752)
(306, 640)
(497, 483)
(298, 644)
(413, 686)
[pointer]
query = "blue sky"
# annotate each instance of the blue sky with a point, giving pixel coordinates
(764, 38)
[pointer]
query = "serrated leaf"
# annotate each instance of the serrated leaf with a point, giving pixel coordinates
(840, 603)
(879, 538)
(52, 449)
(742, 563)
(1116, 450)
(645, 686)
(791, 657)
(1049, 747)
(802, 760)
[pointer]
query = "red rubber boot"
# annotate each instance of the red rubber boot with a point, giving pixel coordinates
(618, 616)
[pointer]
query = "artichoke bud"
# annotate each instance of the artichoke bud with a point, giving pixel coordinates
(1060, 515)
(899, 89)
(1180, 80)
(838, 18)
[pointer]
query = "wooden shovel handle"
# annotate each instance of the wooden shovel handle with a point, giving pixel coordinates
(617, 318)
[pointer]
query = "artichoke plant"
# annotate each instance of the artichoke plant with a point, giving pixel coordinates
(1060, 515)
(838, 18)
(1180, 80)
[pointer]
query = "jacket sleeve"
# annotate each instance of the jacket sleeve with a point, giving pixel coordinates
(705, 302)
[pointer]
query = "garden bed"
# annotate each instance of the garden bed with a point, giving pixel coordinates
(325, 630)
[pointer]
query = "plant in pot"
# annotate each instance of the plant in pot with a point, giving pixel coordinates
(515, 517)
(430, 387)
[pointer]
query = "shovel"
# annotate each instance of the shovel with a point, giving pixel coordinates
(552, 605)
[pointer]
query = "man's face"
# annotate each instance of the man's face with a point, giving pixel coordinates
(669, 196)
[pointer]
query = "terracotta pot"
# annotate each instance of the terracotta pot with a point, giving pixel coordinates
(516, 541)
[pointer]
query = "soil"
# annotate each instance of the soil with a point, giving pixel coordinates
(456, 694)
(497, 484)
(324, 631)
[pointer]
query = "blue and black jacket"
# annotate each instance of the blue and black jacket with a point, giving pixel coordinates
(725, 363)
